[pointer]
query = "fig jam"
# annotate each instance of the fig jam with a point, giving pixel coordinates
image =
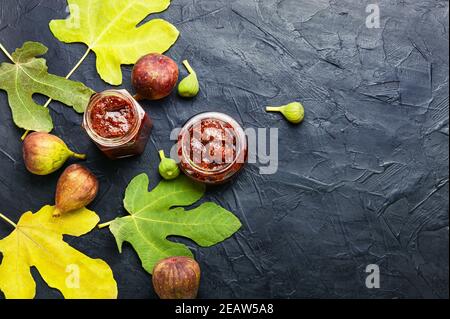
(117, 124)
(112, 117)
(212, 148)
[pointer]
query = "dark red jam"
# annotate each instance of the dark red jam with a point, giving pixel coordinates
(113, 117)
(212, 148)
(117, 124)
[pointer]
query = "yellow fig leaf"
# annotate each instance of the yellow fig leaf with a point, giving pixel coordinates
(109, 28)
(37, 241)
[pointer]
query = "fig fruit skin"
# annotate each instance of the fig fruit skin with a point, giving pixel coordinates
(176, 278)
(189, 87)
(154, 77)
(168, 168)
(77, 187)
(45, 153)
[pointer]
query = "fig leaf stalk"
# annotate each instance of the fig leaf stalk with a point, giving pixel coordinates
(9, 221)
(104, 225)
(6, 52)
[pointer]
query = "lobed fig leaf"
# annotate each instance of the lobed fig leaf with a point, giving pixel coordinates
(28, 75)
(110, 29)
(158, 214)
(37, 241)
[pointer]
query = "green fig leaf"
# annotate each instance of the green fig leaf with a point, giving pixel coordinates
(109, 28)
(157, 214)
(27, 76)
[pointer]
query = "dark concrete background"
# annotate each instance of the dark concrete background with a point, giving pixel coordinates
(363, 180)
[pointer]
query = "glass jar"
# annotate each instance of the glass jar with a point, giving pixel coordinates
(117, 124)
(212, 148)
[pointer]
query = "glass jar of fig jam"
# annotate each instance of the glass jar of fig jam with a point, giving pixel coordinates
(212, 148)
(116, 122)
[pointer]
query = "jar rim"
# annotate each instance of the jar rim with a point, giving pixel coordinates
(241, 141)
(112, 142)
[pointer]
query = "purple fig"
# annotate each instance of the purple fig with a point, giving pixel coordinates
(176, 278)
(154, 76)
(77, 187)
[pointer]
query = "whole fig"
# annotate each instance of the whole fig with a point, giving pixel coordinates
(154, 76)
(46, 153)
(77, 187)
(168, 168)
(176, 278)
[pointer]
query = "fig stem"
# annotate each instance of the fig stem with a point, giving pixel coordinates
(138, 97)
(24, 136)
(56, 213)
(188, 67)
(67, 77)
(79, 156)
(273, 109)
(162, 155)
(104, 225)
(9, 221)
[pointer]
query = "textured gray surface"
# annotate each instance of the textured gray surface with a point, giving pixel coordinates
(364, 180)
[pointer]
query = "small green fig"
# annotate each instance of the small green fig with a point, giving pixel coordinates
(45, 153)
(77, 187)
(168, 168)
(189, 86)
(176, 278)
(293, 112)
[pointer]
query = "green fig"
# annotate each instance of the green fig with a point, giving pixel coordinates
(293, 112)
(46, 153)
(176, 278)
(189, 86)
(77, 187)
(168, 168)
